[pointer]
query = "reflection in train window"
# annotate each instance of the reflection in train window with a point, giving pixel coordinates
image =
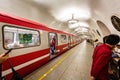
(15, 37)
(63, 38)
(116, 22)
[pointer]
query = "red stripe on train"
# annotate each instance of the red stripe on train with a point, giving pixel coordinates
(25, 58)
(28, 69)
(30, 56)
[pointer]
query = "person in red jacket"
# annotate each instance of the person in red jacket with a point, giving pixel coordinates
(101, 58)
(52, 45)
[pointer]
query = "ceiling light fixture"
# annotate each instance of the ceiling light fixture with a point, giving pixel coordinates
(73, 23)
(83, 24)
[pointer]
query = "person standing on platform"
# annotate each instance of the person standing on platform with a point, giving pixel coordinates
(3, 58)
(104, 39)
(101, 57)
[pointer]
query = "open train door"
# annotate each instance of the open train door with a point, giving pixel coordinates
(52, 43)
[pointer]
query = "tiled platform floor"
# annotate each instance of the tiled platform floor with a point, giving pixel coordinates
(72, 65)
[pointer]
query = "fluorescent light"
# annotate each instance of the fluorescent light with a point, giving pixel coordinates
(83, 24)
(81, 29)
(74, 24)
(77, 29)
(71, 26)
(72, 21)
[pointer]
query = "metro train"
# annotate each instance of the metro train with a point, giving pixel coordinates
(31, 44)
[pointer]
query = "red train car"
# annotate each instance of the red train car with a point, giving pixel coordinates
(33, 44)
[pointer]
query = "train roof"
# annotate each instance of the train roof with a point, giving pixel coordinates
(12, 19)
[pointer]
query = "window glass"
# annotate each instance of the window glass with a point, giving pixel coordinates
(63, 38)
(15, 37)
(8, 38)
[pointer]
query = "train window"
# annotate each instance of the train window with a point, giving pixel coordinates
(116, 22)
(63, 38)
(15, 37)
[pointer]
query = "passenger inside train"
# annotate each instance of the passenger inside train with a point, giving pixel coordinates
(52, 45)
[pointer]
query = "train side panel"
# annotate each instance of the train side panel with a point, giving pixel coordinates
(29, 51)
(26, 60)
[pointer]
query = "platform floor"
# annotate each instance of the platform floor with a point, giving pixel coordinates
(74, 64)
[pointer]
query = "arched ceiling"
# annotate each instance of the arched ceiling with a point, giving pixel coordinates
(65, 10)
(82, 10)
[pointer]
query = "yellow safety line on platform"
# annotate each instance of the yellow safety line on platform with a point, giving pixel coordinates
(53, 67)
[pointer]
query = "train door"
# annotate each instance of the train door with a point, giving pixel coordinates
(69, 42)
(52, 43)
